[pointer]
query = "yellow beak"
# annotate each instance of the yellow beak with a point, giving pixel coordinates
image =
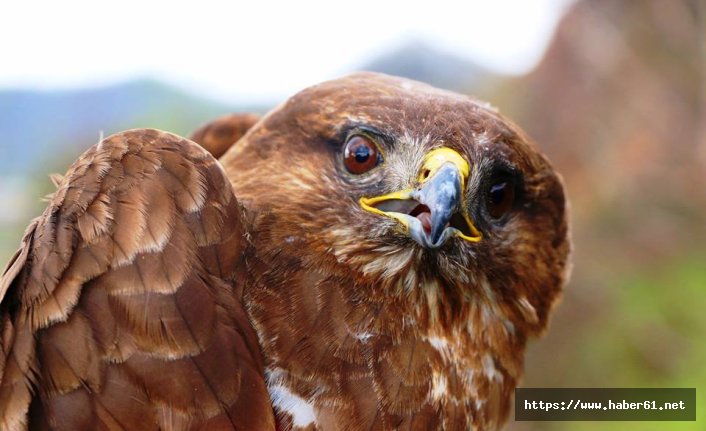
(433, 211)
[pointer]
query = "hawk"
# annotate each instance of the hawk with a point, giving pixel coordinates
(374, 253)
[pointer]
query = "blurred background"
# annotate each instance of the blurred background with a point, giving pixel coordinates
(613, 91)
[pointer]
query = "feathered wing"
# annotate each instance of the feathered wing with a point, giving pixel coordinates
(122, 309)
(219, 135)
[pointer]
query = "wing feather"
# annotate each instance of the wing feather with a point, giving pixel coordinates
(122, 309)
(219, 135)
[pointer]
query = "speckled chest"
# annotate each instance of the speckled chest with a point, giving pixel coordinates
(335, 361)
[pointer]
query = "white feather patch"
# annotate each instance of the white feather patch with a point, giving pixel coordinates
(489, 368)
(287, 402)
(439, 386)
(363, 336)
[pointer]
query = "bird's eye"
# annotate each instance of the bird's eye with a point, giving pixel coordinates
(501, 196)
(361, 155)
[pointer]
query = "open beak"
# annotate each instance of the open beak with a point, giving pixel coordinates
(432, 212)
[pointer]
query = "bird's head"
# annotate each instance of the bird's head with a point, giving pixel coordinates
(423, 192)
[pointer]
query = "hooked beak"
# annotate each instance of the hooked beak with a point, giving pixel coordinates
(432, 212)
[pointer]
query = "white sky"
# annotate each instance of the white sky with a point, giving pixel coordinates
(262, 51)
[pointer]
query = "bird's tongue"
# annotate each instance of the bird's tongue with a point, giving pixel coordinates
(422, 213)
(425, 219)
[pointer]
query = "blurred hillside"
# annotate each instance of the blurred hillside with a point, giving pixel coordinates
(37, 125)
(419, 61)
(42, 132)
(619, 106)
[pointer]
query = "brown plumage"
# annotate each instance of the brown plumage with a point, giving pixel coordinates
(220, 134)
(395, 248)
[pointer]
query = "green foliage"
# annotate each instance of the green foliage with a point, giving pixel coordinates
(652, 336)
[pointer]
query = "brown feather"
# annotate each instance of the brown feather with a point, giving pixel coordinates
(219, 135)
(123, 284)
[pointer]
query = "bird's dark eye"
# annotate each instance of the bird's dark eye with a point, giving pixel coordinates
(501, 196)
(361, 155)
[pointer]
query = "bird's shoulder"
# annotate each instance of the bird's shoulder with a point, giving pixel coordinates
(219, 135)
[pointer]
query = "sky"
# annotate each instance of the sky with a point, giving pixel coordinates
(257, 50)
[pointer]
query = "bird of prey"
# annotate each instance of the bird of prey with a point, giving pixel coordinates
(372, 254)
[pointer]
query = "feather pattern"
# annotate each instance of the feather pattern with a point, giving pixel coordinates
(121, 308)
